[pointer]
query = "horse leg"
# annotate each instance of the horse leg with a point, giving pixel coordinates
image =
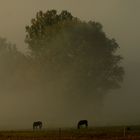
(86, 125)
(78, 126)
(33, 127)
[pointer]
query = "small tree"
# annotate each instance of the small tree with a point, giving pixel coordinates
(12, 63)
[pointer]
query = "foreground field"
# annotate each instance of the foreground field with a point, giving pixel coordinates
(100, 133)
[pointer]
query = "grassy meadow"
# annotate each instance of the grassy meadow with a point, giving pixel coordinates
(98, 133)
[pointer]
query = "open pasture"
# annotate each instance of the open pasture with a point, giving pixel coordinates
(98, 133)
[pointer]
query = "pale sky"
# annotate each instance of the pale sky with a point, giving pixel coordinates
(120, 20)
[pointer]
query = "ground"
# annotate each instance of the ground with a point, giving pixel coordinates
(98, 133)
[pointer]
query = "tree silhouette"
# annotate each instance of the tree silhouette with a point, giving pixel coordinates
(79, 52)
(12, 65)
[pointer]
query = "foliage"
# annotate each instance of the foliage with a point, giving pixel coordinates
(12, 63)
(78, 52)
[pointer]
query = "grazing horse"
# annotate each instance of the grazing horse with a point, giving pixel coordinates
(82, 122)
(37, 125)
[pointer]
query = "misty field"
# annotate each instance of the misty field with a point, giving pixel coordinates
(100, 133)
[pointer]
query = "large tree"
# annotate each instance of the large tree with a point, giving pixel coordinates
(76, 51)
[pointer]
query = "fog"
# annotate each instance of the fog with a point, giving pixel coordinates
(20, 107)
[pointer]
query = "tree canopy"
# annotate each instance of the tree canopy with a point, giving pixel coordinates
(77, 51)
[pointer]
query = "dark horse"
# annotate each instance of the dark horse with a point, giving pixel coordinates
(82, 122)
(37, 125)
